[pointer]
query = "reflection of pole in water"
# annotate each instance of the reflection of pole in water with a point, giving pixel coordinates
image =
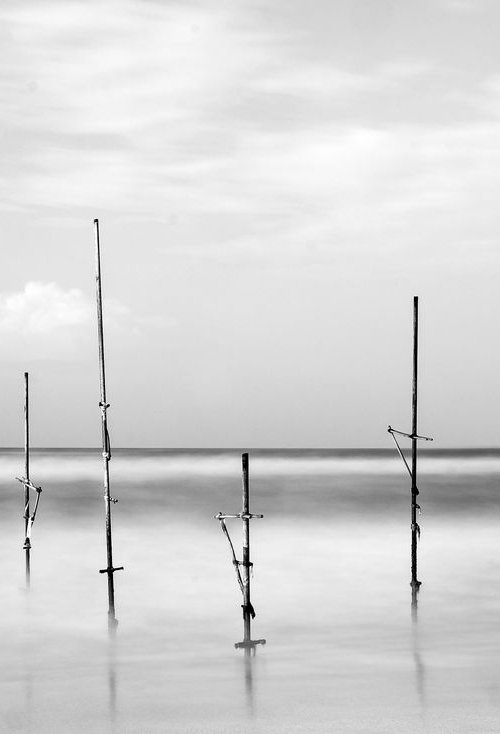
(28, 709)
(112, 679)
(243, 579)
(248, 662)
(414, 437)
(419, 665)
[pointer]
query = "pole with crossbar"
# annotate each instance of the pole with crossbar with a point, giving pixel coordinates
(106, 448)
(27, 542)
(412, 469)
(243, 576)
(247, 606)
(415, 584)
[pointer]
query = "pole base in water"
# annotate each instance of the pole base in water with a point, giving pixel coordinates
(249, 644)
(415, 585)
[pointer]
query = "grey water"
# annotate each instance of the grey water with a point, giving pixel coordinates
(330, 587)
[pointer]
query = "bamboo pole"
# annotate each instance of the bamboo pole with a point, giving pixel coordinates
(247, 606)
(244, 576)
(106, 448)
(27, 542)
(412, 471)
(415, 584)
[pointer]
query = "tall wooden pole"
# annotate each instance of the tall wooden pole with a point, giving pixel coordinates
(243, 576)
(414, 437)
(27, 542)
(106, 448)
(247, 606)
(415, 584)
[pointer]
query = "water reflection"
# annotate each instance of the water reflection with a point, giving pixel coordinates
(112, 680)
(418, 660)
(28, 692)
(249, 691)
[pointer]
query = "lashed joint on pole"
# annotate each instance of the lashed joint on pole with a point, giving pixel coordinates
(30, 518)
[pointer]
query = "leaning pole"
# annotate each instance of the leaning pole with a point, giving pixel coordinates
(106, 446)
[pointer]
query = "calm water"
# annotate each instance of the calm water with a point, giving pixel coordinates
(330, 588)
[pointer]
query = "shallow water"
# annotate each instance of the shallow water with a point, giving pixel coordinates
(330, 588)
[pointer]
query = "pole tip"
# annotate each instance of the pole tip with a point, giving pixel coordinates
(25, 374)
(96, 221)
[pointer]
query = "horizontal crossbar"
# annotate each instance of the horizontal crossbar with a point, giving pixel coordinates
(410, 435)
(239, 516)
(249, 643)
(111, 570)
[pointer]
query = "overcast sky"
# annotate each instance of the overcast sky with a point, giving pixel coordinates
(274, 181)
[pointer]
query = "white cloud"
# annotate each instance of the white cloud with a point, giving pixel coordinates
(45, 321)
(42, 308)
(164, 109)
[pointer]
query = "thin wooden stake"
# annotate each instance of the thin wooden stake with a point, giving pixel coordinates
(247, 605)
(244, 578)
(415, 584)
(414, 437)
(106, 448)
(27, 542)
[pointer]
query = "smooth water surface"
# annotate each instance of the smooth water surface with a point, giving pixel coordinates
(330, 588)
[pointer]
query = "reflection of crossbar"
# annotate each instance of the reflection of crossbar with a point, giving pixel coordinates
(249, 644)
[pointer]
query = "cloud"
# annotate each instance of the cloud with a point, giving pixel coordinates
(160, 108)
(203, 112)
(460, 6)
(46, 321)
(42, 308)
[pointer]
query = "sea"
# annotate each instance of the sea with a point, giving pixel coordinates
(330, 587)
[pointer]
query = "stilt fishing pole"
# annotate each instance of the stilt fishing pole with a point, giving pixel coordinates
(414, 437)
(106, 446)
(243, 577)
(26, 482)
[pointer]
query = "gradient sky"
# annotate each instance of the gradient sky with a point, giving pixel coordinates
(274, 182)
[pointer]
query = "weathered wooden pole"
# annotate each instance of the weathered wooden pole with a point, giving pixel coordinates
(415, 530)
(106, 447)
(243, 578)
(412, 471)
(27, 541)
(29, 519)
(245, 516)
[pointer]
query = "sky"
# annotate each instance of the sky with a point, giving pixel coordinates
(274, 182)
